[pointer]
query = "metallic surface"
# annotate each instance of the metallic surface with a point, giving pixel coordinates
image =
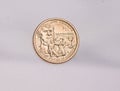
(55, 40)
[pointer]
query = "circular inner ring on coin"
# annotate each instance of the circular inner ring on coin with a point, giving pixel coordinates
(55, 40)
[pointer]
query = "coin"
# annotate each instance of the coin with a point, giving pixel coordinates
(55, 40)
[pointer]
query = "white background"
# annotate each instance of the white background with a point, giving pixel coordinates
(96, 66)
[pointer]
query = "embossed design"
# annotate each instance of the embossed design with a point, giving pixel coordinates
(55, 40)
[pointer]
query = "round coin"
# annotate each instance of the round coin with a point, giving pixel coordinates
(55, 40)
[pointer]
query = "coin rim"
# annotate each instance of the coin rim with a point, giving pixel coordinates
(76, 33)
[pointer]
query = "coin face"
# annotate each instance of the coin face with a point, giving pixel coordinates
(55, 40)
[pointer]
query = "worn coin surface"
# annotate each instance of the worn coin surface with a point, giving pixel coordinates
(55, 40)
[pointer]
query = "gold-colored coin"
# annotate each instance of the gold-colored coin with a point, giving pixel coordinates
(55, 40)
